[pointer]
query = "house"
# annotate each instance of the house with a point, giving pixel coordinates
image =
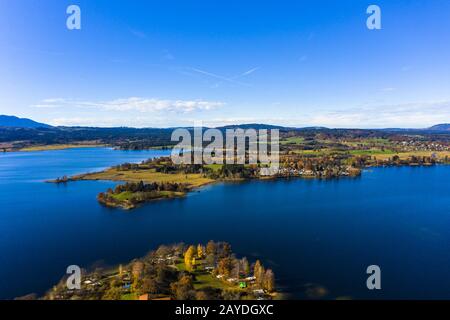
(127, 286)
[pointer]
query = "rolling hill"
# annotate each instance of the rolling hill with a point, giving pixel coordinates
(441, 127)
(12, 121)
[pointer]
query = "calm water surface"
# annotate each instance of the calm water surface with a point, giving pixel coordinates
(312, 233)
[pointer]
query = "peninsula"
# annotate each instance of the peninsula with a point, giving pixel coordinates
(317, 154)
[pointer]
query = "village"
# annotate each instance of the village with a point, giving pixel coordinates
(176, 272)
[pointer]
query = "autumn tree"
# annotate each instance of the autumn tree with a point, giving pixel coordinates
(245, 266)
(225, 266)
(137, 269)
(149, 285)
(163, 251)
(200, 251)
(183, 288)
(211, 248)
(136, 286)
(269, 280)
(226, 249)
(113, 293)
(189, 257)
(259, 272)
(201, 295)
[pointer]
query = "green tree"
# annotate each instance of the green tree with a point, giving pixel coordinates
(136, 286)
(113, 293)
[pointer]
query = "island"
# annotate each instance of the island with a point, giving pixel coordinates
(175, 272)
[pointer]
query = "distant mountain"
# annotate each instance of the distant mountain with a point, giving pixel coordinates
(256, 126)
(440, 127)
(11, 121)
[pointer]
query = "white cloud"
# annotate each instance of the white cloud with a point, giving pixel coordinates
(136, 122)
(171, 113)
(409, 115)
(134, 104)
(138, 33)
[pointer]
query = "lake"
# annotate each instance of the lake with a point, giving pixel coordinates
(313, 233)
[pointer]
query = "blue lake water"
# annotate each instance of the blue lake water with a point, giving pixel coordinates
(311, 232)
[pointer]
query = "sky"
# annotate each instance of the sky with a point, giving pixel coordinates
(176, 63)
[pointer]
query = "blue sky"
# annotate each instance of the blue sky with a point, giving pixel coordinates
(170, 63)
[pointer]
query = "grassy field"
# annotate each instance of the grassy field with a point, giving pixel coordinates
(214, 167)
(203, 278)
(128, 195)
(366, 142)
(406, 155)
(319, 152)
(292, 140)
(371, 152)
(129, 296)
(378, 153)
(192, 180)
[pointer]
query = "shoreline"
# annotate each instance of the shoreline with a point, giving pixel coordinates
(158, 179)
(58, 147)
(113, 175)
(127, 206)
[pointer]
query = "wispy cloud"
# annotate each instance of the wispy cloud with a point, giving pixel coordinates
(167, 55)
(219, 77)
(408, 115)
(108, 121)
(246, 73)
(140, 112)
(134, 104)
(138, 33)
